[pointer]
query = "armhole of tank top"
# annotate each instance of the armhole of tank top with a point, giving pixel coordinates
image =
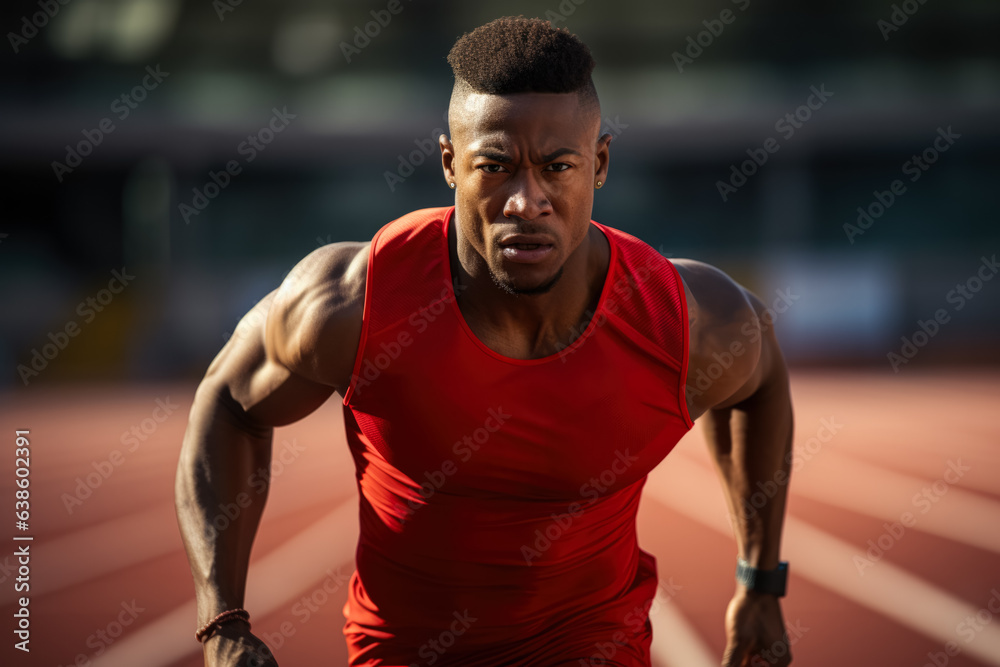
(365, 318)
(686, 337)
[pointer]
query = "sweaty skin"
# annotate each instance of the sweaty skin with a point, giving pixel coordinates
(523, 164)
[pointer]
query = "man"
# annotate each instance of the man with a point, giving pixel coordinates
(511, 371)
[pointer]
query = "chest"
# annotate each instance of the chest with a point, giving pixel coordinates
(590, 421)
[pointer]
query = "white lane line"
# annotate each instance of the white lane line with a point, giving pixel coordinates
(675, 641)
(827, 561)
(937, 506)
(274, 580)
(113, 545)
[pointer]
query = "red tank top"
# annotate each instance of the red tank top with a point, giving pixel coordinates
(498, 496)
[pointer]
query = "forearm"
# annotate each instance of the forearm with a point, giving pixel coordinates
(219, 498)
(751, 443)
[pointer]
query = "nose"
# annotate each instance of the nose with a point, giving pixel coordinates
(527, 199)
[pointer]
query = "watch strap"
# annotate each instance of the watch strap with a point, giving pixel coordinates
(769, 582)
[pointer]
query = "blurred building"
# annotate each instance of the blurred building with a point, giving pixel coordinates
(840, 160)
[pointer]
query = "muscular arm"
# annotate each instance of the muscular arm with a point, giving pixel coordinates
(285, 359)
(748, 425)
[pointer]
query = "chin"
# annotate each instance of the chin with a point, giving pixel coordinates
(520, 288)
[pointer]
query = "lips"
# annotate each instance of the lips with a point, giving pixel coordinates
(526, 248)
(525, 240)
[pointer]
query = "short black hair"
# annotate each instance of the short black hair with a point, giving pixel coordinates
(514, 54)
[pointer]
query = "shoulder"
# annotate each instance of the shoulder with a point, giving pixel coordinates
(422, 224)
(713, 297)
(726, 337)
(314, 322)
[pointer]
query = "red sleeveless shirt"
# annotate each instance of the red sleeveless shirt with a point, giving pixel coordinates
(498, 496)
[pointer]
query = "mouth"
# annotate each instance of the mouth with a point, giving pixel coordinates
(526, 248)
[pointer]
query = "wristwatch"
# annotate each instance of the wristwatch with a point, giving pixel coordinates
(770, 582)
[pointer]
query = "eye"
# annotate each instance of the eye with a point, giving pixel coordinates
(491, 168)
(559, 166)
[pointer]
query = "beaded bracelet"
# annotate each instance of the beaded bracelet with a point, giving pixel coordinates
(207, 630)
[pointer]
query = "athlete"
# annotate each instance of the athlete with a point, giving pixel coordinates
(510, 370)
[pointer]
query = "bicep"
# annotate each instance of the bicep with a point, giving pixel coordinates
(313, 328)
(754, 393)
(265, 390)
(733, 351)
(757, 334)
(298, 344)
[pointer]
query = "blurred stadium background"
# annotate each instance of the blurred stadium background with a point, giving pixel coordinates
(690, 93)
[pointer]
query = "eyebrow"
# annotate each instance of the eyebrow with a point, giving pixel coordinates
(496, 156)
(499, 156)
(558, 153)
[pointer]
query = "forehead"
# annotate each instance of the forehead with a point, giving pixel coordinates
(529, 117)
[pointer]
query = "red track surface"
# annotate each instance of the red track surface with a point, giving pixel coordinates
(895, 436)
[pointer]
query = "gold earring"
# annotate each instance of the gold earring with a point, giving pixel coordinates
(451, 185)
(599, 184)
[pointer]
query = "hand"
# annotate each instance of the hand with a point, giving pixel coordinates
(233, 645)
(755, 632)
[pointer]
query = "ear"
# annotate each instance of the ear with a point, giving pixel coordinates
(603, 156)
(447, 158)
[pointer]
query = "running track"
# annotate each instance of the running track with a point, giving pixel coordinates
(895, 436)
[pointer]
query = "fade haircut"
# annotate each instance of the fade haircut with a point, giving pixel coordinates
(517, 55)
